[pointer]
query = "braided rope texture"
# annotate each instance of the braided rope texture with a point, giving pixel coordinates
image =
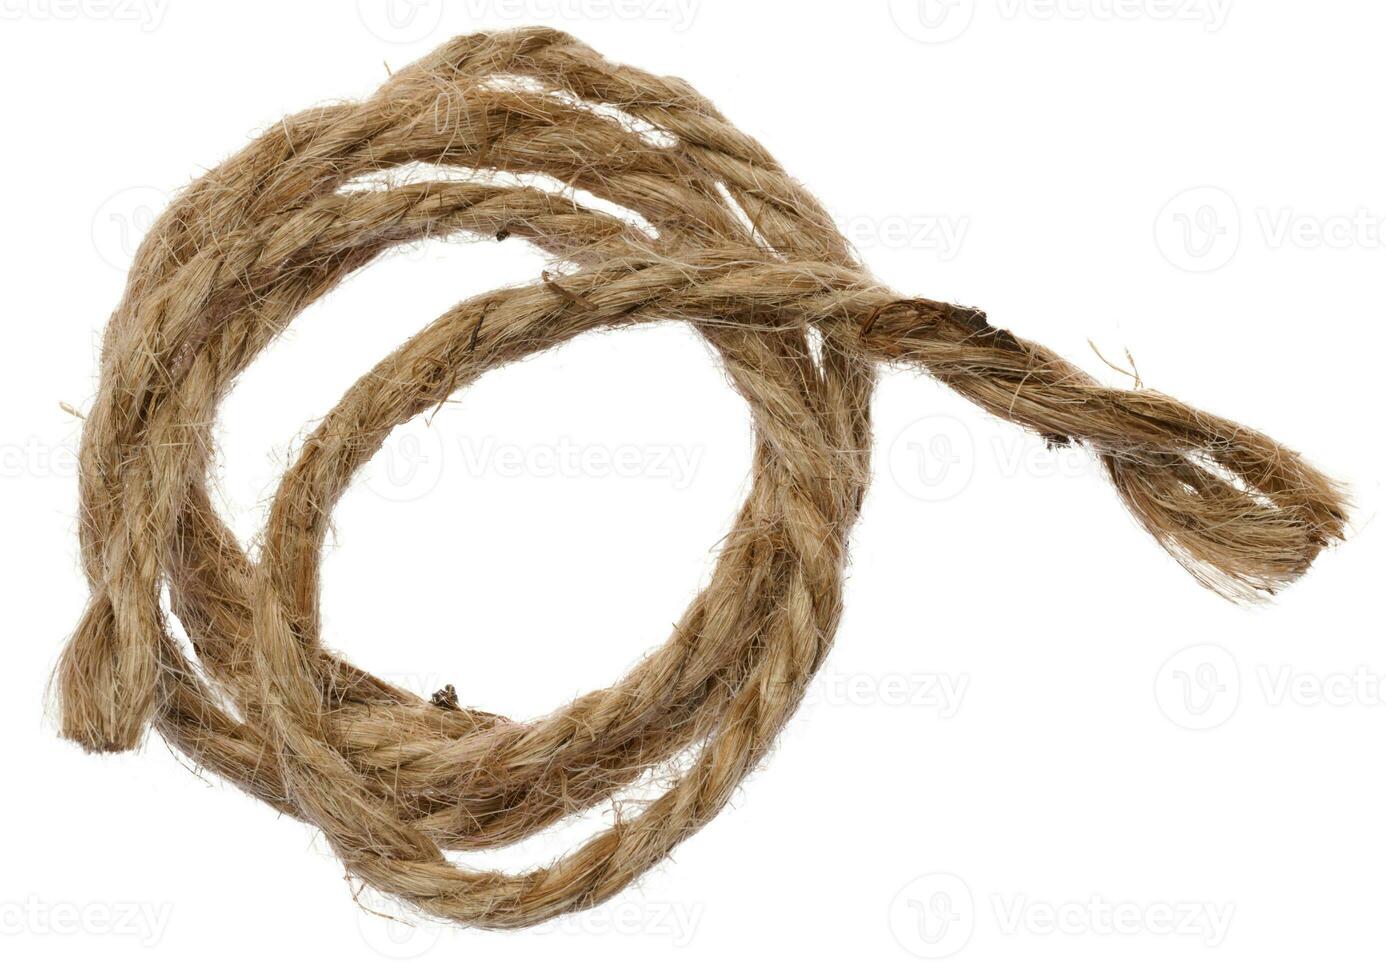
(725, 241)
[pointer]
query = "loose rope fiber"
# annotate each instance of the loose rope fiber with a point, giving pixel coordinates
(721, 238)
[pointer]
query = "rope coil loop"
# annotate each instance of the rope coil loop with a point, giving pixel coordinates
(394, 780)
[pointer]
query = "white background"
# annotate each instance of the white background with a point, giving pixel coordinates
(1008, 757)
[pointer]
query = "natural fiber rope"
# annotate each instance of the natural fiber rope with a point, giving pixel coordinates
(391, 779)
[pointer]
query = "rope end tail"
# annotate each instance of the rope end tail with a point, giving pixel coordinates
(104, 700)
(1246, 518)
(1243, 514)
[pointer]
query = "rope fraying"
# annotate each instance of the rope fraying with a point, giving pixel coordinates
(394, 780)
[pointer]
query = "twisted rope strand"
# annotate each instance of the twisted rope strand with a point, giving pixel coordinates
(719, 237)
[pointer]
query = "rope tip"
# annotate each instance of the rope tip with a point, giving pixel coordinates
(1246, 539)
(105, 700)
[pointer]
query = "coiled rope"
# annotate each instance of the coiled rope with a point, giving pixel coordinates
(730, 244)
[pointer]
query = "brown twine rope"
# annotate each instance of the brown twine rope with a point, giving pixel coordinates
(394, 780)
